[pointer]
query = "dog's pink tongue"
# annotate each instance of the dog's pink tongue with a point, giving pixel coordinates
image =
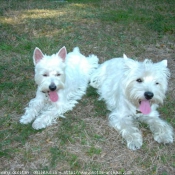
(53, 96)
(145, 107)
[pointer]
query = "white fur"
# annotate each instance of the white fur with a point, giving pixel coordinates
(69, 73)
(116, 81)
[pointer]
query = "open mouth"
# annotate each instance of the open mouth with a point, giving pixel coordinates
(53, 95)
(145, 106)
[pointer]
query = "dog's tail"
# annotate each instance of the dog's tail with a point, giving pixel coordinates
(90, 63)
(91, 59)
(76, 50)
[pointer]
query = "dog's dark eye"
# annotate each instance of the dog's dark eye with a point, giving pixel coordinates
(58, 74)
(139, 80)
(157, 83)
(45, 75)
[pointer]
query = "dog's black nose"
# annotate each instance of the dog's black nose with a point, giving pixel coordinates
(148, 95)
(52, 87)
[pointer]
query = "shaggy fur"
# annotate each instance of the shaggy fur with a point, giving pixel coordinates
(133, 91)
(62, 79)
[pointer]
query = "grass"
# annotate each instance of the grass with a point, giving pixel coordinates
(83, 141)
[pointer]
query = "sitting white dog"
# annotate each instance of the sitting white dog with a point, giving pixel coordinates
(62, 79)
(133, 90)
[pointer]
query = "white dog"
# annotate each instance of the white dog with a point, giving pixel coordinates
(62, 79)
(133, 90)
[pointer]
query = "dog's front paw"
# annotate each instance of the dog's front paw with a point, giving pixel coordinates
(164, 138)
(38, 125)
(134, 140)
(135, 143)
(164, 135)
(25, 119)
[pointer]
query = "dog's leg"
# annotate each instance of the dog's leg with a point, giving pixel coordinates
(127, 129)
(46, 118)
(32, 111)
(162, 131)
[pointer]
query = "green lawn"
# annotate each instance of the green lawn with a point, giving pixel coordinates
(83, 141)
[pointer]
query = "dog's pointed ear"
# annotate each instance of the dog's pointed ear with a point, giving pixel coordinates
(164, 62)
(37, 55)
(62, 53)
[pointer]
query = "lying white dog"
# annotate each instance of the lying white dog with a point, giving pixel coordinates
(133, 90)
(62, 80)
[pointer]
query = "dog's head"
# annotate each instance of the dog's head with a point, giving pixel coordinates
(50, 72)
(145, 83)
